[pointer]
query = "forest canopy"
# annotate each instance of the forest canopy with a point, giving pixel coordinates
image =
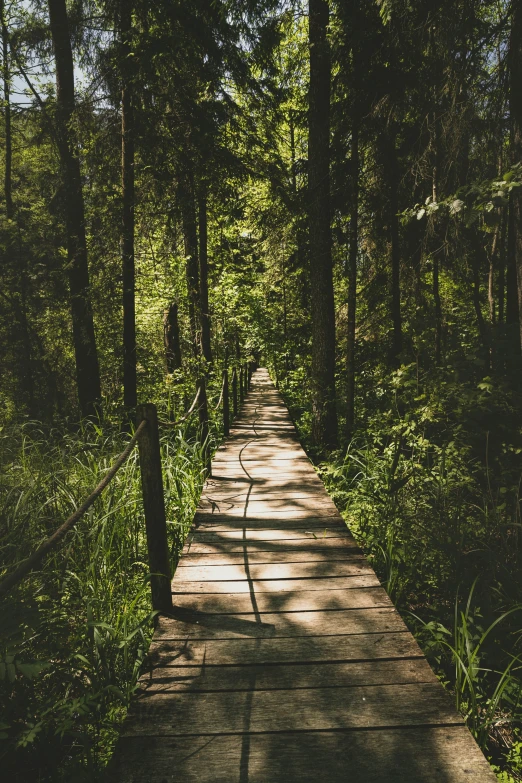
(329, 189)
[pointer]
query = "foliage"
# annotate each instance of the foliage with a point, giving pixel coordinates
(430, 488)
(75, 634)
(429, 478)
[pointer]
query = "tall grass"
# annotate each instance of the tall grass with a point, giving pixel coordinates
(74, 635)
(434, 532)
(430, 487)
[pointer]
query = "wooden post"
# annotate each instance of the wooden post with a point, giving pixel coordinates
(249, 374)
(226, 404)
(241, 384)
(154, 506)
(234, 391)
(203, 422)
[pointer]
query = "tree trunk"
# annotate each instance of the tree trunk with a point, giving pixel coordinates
(435, 241)
(502, 268)
(130, 393)
(171, 338)
(324, 414)
(478, 261)
(491, 291)
(204, 423)
(393, 183)
(7, 116)
(203, 279)
(515, 107)
(191, 252)
(293, 171)
(352, 285)
(234, 393)
(86, 356)
(20, 308)
(511, 272)
(438, 308)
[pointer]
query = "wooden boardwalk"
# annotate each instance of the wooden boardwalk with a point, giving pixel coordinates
(286, 660)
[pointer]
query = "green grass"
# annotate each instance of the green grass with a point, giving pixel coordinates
(75, 634)
(430, 487)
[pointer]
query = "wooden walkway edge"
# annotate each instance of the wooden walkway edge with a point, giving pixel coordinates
(285, 660)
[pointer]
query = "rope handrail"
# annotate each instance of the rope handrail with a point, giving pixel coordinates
(50, 543)
(221, 395)
(183, 418)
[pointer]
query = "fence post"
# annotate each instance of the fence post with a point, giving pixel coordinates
(154, 506)
(241, 384)
(249, 374)
(234, 392)
(203, 422)
(226, 404)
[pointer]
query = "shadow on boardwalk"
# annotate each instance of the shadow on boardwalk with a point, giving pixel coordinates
(284, 659)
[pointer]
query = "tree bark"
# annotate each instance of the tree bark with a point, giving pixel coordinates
(515, 107)
(86, 356)
(435, 242)
(206, 345)
(438, 308)
(478, 262)
(293, 171)
(190, 235)
(480, 318)
(511, 272)
(130, 392)
(8, 189)
(502, 268)
(324, 413)
(491, 277)
(20, 307)
(395, 254)
(352, 285)
(204, 422)
(171, 338)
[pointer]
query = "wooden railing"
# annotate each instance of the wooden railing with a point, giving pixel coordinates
(146, 437)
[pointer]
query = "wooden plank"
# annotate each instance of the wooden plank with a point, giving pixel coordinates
(266, 650)
(252, 450)
(261, 484)
(190, 561)
(331, 555)
(297, 472)
(197, 624)
(407, 755)
(268, 494)
(264, 533)
(320, 709)
(259, 511)
(212, 513)
(210, 679)
(285, 464)
(316, 524)
(266, 505)
(233, 545)
(304, 600)
(272, 571)
(218, 523)
(276, 585)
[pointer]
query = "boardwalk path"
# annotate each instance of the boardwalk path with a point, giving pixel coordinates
(287, 661)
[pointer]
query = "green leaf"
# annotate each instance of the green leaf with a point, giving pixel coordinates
(33, 669)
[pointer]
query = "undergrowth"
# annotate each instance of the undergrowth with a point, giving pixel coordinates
(430, 487)
(74, 635)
